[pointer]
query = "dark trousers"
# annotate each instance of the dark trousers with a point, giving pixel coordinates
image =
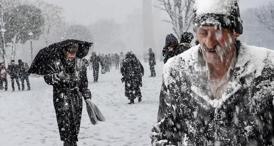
(23, 79)
(152, 71)
(95, 74)
(12, 83)
(132, 90)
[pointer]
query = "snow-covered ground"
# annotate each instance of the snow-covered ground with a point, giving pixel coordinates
(28, 118)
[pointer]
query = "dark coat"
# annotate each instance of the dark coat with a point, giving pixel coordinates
(67, 95)
(3, 72)
(171, 41)
(23, 69)
(151, 59)
(95, 60)
(13, 70)
(132, 71)
(242, 116)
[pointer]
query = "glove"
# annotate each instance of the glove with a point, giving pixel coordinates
(62, 75)
(86, 94)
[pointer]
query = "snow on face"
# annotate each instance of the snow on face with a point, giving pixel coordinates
(214, 6)
(216, 43)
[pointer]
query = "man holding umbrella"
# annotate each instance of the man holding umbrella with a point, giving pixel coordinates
(63, 67)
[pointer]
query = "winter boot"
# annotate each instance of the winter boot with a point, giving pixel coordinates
(131, 101)
(140, 99)
(69, 143)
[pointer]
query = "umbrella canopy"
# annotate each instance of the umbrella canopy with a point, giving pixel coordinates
(40, 64)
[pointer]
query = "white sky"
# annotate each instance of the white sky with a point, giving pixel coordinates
(89, 11)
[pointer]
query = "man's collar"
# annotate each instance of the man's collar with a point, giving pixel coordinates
(241, 69)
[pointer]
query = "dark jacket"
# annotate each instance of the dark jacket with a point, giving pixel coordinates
(170, 48)
(242, 116)
(13, 70)
(69, 81)
(3, 72)
(132, 69)
(95, 60)
(151, 59)
(23, 69)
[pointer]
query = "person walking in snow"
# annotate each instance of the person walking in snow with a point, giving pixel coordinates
(3, 77)
(23, 74)
(219, 92)
(171, 44)
(95, 60)
(13, 71)
(70, 84)
(185, 42)
(132, 72)
(151, 62)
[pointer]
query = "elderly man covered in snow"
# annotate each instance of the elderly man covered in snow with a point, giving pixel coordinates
(221, 91)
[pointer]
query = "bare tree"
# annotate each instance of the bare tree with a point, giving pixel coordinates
(265, 16)
(53, 19)
(5, 5)
(180, 14)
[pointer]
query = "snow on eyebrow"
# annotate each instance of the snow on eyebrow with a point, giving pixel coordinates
(214, 6)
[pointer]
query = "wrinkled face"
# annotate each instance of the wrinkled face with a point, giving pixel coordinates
(217, 44)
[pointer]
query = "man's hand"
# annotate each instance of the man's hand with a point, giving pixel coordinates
(62, 75)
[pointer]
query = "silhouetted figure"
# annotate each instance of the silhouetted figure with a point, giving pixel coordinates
(13, 71)
(23, 74)
(132, 72)
(3, 77)
(152, 62)
(95, 60)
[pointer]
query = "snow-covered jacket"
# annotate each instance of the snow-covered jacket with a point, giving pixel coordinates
(242, 116)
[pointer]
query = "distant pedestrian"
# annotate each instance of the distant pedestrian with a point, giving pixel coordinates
(23, 74)
(185, 42)
(3, 77)
(170, 47)
(132, 73)
(95, 61)
(152, 62)
(13, 71)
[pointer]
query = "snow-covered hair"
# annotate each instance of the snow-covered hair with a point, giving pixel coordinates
(224, 13)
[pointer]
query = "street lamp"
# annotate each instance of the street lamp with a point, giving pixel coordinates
(31, 48)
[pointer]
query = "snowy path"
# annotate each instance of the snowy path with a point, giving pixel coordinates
(28, 118)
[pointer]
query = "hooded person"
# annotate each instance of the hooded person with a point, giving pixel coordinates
(170, 47)
(69, 80)
(132, 72)
(219, 92)
(3, 77)
(13, 71)
(23, 74)
(185, 42)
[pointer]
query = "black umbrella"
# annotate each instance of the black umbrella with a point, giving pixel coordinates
(40, 64)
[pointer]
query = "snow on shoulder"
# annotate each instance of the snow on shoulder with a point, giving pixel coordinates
(178, 63)
(214, 6)
(258, 57)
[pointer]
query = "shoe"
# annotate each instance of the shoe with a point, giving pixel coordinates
(68, 143)
(139, 99)
(131, 102)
